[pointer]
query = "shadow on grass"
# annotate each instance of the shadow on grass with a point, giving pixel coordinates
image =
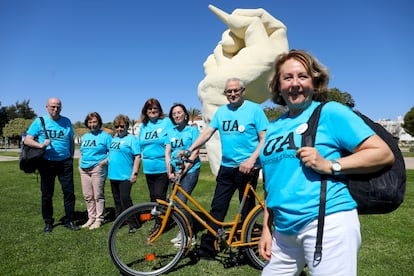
(81, 217)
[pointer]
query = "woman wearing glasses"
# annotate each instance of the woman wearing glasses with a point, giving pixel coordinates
(123, 165)
(154, 128)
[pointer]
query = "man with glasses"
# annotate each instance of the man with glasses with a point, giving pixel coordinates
(57, 162)
(242, 127)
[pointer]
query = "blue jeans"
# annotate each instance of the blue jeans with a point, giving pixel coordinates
(188, 183)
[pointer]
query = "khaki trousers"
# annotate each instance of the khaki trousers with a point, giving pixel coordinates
(93, 183)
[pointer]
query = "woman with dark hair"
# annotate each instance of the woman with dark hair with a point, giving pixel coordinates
(179, 138)
(93, 169)
(152, 136)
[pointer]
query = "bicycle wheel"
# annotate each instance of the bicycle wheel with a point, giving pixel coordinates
(140, 253)
(253, 233)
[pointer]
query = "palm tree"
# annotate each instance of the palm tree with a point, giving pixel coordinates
(194, 113)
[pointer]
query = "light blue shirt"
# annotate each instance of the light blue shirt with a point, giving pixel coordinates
(94, 148)
(239, 130)
(121, 157)
(292, 189)
(152, 141)
(60, 133)
(182, 140)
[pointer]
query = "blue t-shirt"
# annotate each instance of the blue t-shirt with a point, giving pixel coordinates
(121, 157)
(292, 189)
(60, 133)
(239, 130)
(182, 140)
(94, 148)
(152, 138)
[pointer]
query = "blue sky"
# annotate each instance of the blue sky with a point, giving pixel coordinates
(111, 56)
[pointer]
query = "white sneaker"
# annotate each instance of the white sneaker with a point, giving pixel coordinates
(88, 223)
(177, 238)
(192, 241)
(95, 225)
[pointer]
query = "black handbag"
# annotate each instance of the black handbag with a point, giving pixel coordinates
(30, 157)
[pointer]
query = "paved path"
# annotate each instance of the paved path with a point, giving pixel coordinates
(409, 161)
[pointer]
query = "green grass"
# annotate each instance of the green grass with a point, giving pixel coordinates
(387, 247)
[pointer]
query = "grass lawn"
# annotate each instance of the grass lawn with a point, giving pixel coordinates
(387, 247)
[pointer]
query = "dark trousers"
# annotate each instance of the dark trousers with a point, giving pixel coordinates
(157, 185)
(228, 181)
(121, 192)
(64, 172)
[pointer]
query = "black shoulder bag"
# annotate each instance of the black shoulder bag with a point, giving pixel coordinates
(30, 157)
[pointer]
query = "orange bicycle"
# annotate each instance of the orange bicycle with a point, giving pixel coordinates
(149, 251)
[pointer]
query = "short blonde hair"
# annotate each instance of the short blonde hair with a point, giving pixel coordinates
(318, 73)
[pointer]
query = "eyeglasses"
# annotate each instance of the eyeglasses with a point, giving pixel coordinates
(178, 113)
(119, 126)
(54, 106)
(230, 91)
(152, 108)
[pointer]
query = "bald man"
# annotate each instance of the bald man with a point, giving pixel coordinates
(57, 162)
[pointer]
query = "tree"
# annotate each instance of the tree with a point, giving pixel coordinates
(78, 124)
(274, 112)
(16, 127)
(132, 125)
(23, 110)
(334, 94)
(194, 113)
(409, 122)
(18, 110)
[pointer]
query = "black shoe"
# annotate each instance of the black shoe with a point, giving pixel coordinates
(48, 228)
(205, 255)
(242, 257)
(72, 226)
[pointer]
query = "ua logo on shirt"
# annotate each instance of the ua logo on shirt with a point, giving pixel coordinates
(151, 135)
(115, 145)
(177, 143)
(272, 145)
(230, 126)
(89, 143)
(55, 133)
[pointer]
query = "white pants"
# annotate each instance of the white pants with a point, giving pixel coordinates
(340, 244)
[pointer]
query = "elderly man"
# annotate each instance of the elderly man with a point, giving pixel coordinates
(57, 162)
(242, 127)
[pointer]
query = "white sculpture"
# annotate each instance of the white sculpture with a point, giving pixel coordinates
(247, 50)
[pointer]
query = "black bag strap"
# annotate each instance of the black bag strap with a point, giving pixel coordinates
(44, 127)
(308, 139)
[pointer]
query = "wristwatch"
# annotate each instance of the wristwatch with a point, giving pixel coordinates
(336, 167)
